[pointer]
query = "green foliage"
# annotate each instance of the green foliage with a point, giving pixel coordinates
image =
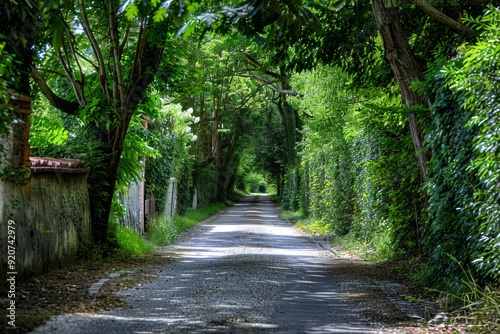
(392, 200)
(270, 146)
(17, 34)
(159, 169)
(135, 150)
(163, 231)
(183, 160)
(207, 179)
(47, 130)
(476, 82)
(359, 175)
(387, 182)
(7, 76)
(160, 9)
(55, 134)
(17, 175)
(450, 188)
(129, 242)
(290, 199)
(351, 41)
(255, 183)
(170, 134)
(226, 107)
(326, 147)
(464, 210)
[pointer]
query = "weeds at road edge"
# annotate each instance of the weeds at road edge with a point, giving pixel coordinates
(477, 305)
(378, 249)
(130, 243)
(164, 230)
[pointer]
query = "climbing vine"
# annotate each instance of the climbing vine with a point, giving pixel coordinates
(464, 200)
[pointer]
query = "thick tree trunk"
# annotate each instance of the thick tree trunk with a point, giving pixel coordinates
(405, 67)
(102, 181)
(292, 126)
(101, 196)
(279, 185)
(225, 171)
(291, 121)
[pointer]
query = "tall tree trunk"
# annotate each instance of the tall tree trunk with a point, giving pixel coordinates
(102, 180)
(291, 121)
(279, 185)
(101, 191)
(405, 67)
(224, 171)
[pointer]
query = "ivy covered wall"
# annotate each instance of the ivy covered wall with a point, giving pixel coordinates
(52, 220)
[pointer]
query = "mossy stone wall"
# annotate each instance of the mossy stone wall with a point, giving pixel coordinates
(52, 220)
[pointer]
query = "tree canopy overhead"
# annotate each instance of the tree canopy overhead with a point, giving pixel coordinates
(364, 114)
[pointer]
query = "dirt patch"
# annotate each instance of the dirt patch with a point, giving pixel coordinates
(384, 293)
(67, 290)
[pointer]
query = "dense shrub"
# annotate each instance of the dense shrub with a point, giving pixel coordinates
(464, 202)
(359, 174)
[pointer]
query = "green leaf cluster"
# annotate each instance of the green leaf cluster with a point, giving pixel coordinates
(7, 78)
(464, 203)
(358, 172)
(47, 131)
(167, 135)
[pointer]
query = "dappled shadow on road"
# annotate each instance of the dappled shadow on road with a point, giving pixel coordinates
(253, 294)
(244, 271)
(268, 260)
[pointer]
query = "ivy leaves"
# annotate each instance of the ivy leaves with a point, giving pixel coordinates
(476, 83)
(464, 201)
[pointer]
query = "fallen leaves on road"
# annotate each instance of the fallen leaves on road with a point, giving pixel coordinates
(66, 290)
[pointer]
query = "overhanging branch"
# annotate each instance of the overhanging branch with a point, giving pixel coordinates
(441, 17)
(63, 105)
(275, 88)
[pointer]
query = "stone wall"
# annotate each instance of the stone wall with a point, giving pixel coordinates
(52, 220)
(170, 207)
(45, 200)
(133, 201)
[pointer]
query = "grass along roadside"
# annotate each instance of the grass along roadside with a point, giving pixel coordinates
(476, 305)
(164, 230)
(376, 250)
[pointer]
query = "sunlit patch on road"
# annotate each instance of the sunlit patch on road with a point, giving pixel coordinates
(245, 271)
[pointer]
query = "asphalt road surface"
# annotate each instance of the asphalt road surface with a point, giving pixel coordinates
(244, 271)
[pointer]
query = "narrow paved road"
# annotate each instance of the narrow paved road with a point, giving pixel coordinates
(245, 271)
